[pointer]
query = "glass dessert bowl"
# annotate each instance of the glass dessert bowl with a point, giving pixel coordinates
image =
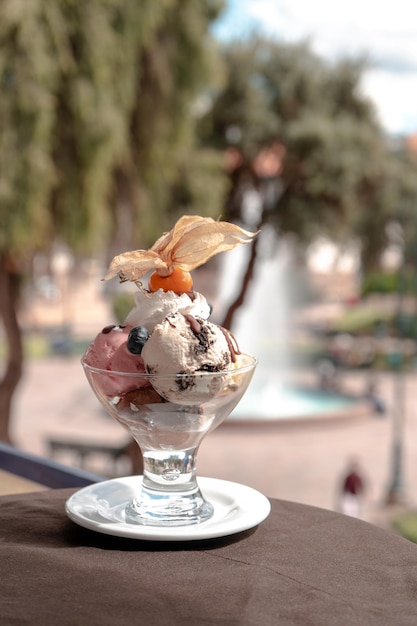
(168, 416)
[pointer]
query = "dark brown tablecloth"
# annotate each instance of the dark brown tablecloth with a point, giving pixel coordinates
(303, 566)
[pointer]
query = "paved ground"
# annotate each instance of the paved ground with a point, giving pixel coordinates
(302, 462)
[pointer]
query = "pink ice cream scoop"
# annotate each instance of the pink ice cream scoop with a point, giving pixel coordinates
(108, 351)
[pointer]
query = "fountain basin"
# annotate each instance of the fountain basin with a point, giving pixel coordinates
(267, 401)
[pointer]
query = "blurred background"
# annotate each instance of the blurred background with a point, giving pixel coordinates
(118, 117)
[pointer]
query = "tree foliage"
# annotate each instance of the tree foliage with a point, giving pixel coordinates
(97, 142)
(96, 104)
(339, 174)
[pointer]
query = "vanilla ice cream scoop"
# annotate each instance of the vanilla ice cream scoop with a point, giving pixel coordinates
(151, 308)
(187, 347)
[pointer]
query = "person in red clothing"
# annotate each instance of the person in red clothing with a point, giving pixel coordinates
(353, 488)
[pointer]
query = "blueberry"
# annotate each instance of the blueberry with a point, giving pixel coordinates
(137, 338)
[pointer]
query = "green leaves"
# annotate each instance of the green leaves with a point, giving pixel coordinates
(340, 174)
(96, 120)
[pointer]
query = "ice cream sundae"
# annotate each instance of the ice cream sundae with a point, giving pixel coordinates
(168, 332)
(168, 374)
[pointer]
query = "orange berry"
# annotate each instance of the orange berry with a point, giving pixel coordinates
(178, 281)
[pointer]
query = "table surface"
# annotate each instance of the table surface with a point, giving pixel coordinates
(302, 565)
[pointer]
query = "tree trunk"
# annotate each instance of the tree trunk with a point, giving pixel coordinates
(13, 365)
(240, 299)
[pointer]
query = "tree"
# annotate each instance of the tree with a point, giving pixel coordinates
(335, 173)
(97, 123)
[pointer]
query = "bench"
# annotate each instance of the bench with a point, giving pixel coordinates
(83, 450)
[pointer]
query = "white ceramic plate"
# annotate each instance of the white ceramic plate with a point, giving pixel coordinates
(101, 506)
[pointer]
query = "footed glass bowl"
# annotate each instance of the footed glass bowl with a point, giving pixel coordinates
(168, 416)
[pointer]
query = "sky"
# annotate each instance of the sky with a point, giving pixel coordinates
(386, 32)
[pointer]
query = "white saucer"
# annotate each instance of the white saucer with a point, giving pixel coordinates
(101, 506)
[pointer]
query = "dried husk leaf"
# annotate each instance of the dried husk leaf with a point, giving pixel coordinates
(191, 243)
(133, 265)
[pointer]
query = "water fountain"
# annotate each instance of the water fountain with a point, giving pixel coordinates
(263, 326)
